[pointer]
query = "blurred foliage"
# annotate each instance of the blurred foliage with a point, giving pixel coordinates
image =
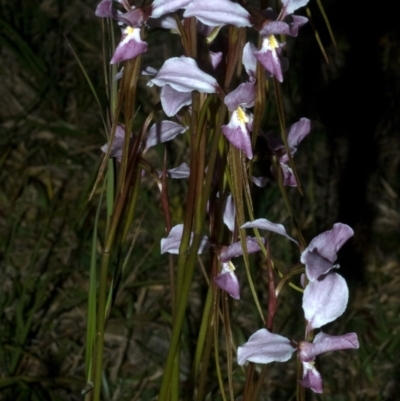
(50, 137)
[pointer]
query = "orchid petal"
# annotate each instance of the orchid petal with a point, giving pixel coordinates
(311, 378)
(234, 250)
(162, 132)
(215, 13)
(104, 9)
(161, 7)
(172, 100)
(265, 347)
(321, 253)
(290, 6)
(298, 131)
(249, 60)
(261, 182)
(229, 213)
(264, 224)
(130, 46)
(183, 74)
(216, 59)
(182, 171)
(117, 145)
(237, 132)
(243, 96)
(228, 281)
(325, 343)
(324, 300)
(268, 56)
(172, 243)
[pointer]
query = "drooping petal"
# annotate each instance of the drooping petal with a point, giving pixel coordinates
(249, 60)
(162, 7)
(243, 96)
(264, 224)
(228, 281)
(234, 250)
(298, 131)
(229, 213)
(182, 171)
(237, 132)
(290, 6)
(324, 343)
(324, 300)
(172, 100)
(311, 378)
(104, 9)
(283, 28)
(216, 59)
(321, 253)
(130, 46)
(289, 178)
(117, 144)
(172, 243)
(265, 347)
(261, 182)
(162, 132)
(269, 57)
(215, 13)
(183, 74)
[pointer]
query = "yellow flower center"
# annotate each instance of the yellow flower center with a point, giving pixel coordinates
(274, 44)
(242, 116)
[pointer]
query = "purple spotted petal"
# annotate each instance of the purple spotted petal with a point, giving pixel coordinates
(324, 343)
(183, 74)
(162, 7)
(311, 378)
(290, 6)
(237, 132)
(324, 300)
(264, 224)
(162, 132)
(289, 178)
(215, 13)
(298, 131)
(130, 46)
(172, 243)
(265, 347)
(172, 100)
(243, 96)
(182, 171)
(228, 281)
(321, 253)
(234, 250)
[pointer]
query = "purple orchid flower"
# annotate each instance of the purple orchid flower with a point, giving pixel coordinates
(117, 144)
(240, 125)
(297, 132)
(265, 347)
(271, 50)
(172, 243)
(161, 132)
(183, 75)
(228, 281)
(216, 13)
(324, 300)
(320, 255)
(131, 44)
